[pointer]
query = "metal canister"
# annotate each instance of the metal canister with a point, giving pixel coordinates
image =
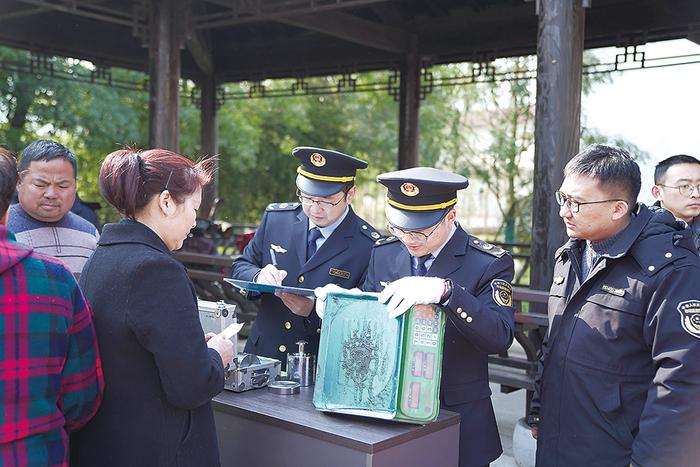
(301, 366)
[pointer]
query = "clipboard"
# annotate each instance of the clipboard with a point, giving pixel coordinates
(268, 288)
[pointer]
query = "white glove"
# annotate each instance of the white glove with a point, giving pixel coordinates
(409, 291)
(271, 275)
(322, 292)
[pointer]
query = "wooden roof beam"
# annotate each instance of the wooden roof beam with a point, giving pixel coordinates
(21, 13)
(353, 29)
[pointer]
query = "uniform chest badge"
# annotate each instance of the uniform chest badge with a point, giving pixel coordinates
(613, 290)
(690, 317)
(339, 273)
(277, 248)
(502, 292)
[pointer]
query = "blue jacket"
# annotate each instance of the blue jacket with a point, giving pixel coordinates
(342, 259)
(477, 325)
(619, 381)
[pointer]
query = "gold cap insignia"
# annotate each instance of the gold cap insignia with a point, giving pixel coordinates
(502, 292)
(409, 189)
(317, 160)
(690, 316)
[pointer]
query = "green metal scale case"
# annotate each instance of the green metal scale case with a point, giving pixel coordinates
(375, 366)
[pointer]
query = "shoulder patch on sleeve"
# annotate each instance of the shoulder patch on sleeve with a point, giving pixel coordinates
(690, 316)
(486, 247)
(502, 292)
(386, 240)
(282, 206)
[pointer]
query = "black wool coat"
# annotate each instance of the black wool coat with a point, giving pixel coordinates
(159, 374)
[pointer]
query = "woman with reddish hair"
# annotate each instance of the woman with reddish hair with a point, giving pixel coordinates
(160, 371)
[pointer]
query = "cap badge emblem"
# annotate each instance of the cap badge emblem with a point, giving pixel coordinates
(409, 189)
(318, 160)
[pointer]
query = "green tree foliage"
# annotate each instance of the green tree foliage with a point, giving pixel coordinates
(484, 131)
(92, 120)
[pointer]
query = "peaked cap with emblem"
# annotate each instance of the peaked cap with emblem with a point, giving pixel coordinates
(324, 172)
(420, 197)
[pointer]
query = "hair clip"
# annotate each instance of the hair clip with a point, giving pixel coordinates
(168, 181)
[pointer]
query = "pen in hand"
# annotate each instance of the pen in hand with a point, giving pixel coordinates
(274, 258)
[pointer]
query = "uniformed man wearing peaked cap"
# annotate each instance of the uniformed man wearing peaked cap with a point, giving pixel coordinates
(430, 259)
(310, 243)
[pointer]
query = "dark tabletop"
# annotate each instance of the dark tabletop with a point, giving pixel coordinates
(297, 413)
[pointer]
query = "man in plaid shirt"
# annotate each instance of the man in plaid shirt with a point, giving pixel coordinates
(50, 373)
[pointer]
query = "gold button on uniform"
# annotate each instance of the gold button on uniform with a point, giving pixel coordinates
(463, 315)
(469, 319)
(283, 348)
(301, 279)
(318, 330)
(459, 309)
(287, 325)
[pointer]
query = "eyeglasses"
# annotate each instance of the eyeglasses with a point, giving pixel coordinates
(685, 190)
(574, 206)
(306, 201)
(412, 235)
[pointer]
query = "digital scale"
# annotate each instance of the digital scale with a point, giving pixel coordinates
(376, 366)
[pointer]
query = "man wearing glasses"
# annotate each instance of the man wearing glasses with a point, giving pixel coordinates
(318, 241)
(620, 365)
(677, 188)
(430, 259)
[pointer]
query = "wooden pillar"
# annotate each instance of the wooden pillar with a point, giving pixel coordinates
(557, 125)
(166, 38)
(409, 106)
(209, 139)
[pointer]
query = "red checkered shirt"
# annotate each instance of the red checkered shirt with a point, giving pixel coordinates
(50, 372)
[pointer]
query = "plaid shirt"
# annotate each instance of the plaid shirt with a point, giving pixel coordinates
(50, 372)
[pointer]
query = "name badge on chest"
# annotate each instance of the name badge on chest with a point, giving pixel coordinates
(339, 273)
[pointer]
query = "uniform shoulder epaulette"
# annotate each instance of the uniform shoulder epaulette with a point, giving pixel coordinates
(386, 240)
(282, 206)
(486, 247)
(369, 232)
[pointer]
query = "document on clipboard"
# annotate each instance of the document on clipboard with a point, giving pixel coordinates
(268, 288)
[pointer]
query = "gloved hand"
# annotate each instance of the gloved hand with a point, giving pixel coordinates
(409, 291)
(271, 275)
(322, 293)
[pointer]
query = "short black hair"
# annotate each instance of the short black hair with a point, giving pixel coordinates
(609, 165)
(8, 179)
(663, 166)
(46, 150)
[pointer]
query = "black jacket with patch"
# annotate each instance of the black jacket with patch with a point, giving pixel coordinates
(619, 379)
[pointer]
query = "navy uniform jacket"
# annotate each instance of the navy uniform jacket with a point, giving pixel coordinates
(342, 260)
(476, 326)
(619, 380)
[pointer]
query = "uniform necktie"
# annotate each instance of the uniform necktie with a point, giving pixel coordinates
(314, 234)
(418, 265)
